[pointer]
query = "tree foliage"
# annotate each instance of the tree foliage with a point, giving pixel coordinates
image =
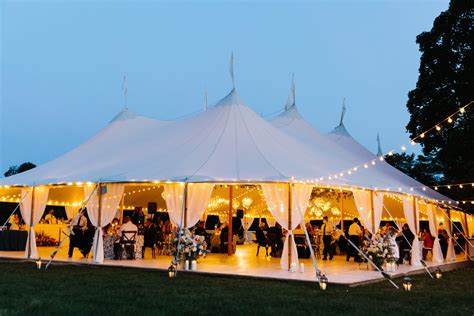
(445, 84)
(19, 169)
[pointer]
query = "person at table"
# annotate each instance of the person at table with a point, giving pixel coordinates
(354, 232)
(428, 241)
(50, 218)
(224, 237)
(14, 222)
(404, 241)
(113, 227)
(76, 238)
(130, 228)
(327, 230)
(200, 230)
(275, 238)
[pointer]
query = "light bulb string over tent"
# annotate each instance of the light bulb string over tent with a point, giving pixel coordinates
(71, 226)
(367, 164)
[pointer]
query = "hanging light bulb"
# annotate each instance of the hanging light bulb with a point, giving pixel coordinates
(461, 186)
(450, 120)
(438, 128)
(381, 158)
(413, 143)
(462, 110)
(403, 148)
(366, 166)
(449, 187)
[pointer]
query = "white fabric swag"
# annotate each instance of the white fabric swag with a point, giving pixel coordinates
(109, 204)
(276, 196)
(437, 253)
(197, 200)
(40, 199)
(362, 199)
(450, 255)
(71, 211)
(411, 217)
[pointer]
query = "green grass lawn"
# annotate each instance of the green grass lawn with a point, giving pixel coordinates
(64, 289)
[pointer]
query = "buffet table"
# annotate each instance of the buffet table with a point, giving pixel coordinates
(13, 240)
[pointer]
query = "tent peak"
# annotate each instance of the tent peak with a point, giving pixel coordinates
(231, 99)
(343, 112)
(291, 101)
(379, 147)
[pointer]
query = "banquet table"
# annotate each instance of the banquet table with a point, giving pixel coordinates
(13, 240)
(54, 231)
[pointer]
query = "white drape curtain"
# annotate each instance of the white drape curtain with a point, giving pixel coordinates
(411, 217)
(470, 225)
(40, 199)
(437, 253)
(362, 199)
(173, 193)
(450, 255)
(198, 197)
(276, 196)
(378, 209)
(109, 203)
(462, 219)
(71, 211)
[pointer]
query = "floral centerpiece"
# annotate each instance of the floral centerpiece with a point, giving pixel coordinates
(44, 240)
(380, 250)
(191, 246)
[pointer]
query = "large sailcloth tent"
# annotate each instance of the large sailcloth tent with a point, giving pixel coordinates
(228, 144)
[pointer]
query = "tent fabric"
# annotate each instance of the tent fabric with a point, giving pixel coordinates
(39, 203)
(173, 194)
(378, 210)
(363, 203)
(71, 211)
(437, 254)
(198, 197)
(109, 203)
(276, 196)
(411, 216)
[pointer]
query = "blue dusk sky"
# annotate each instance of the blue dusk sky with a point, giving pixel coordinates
(62, 64)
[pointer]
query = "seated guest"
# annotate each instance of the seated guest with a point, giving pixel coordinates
(224, 237)
(149, 236)
(404, 241)
(275, 239)
(113, 227)
(14, 222)
(76, 238)
(50, 218)
(128, 227)
(261, 238)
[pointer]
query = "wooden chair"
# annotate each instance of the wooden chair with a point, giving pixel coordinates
(127, 242)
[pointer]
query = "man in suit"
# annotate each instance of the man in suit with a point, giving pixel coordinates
(327, 230)
(77, 235)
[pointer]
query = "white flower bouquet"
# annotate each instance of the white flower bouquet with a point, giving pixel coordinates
(380, 250)
(191, 247)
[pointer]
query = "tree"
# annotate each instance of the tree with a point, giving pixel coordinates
(445, 84)
(419, 168)
(19, 169)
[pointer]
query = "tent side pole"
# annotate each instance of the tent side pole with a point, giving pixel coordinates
(99, 221)
(229, 232)
(467, 226)
(185, 203)
(122, 202)
(342, 210)
(31, 220)
(415, 213)
(374, 229)
(289, 226)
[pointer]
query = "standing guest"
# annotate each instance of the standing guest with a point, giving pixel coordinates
(149, 236)
(50, 218)
(443, 242)
(327, 230)
(200, 230)
(427, 243)
(166, 228)
(354, 232)
(76, 239)
(404, 241)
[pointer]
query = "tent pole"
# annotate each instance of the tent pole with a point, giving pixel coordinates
(467, 225)
(185, 205)
(31, 220)
(374, 229)
(121, 206)
(99, 222)
(289, 226)
(229, 231)
(342, 210)
(415, 213)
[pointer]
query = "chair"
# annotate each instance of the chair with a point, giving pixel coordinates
(127, 243)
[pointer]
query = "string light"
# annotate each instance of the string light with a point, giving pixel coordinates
(450, 120)
(438, 128)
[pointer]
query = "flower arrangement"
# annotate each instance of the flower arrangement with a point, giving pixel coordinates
(44, 240)
(380, 250)
(191, 246)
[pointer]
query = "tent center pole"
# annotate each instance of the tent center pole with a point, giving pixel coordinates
(342, 210)
(289, 226)
(32, 232)
(374, 229)
(229, 232)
